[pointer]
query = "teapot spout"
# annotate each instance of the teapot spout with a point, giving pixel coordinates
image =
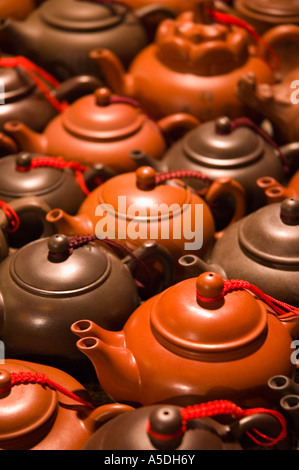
(87, 328)
(26, 139)
(113, 71)
(70, 225)
(115, 367)
(273, 190)
(192, 266)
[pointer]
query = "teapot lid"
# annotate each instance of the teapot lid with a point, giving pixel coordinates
(18, 180)
(273, 7)
(47, 267)
(270, 234)
(15, 83)
(214, 144)
(81, 15)
(211, 331)
(100, 116)
(24, 408)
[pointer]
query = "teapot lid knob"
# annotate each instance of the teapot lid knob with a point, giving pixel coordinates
(5, 381)
(146, 178)
(289, 211)
(210, 286)
(102, 96)
(58, 246)
(223, 125)
(165, 421)
(23, 161)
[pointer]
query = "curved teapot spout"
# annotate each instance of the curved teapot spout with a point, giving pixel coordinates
(18, 33)
(87, 328)
(26, 139)
(274, 191)
(113, 71)
(70, 225)
(192, 266)
(115, 367)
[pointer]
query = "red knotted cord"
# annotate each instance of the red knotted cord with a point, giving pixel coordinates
(162, 177)
(224, 18)
(237, 284)
(224, 407)
(37, 378)
(12, 215)
(35, 72)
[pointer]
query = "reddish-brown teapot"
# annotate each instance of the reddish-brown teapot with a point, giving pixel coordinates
(102, 128)
(18, 9)
(142, 205)
(276, 192)
(193, 66)
(44, 408)
(193, 343)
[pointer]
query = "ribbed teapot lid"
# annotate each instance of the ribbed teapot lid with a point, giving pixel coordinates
(273, 7)
(213, 331)
(101, 116)
(25, 407)
(17, 179)
(214, 144)
(47, 267)
(79, 15)
(271, 234)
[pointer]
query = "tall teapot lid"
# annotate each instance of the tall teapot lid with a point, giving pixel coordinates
(194, 329)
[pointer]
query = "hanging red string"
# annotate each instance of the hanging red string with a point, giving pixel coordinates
(224, 407)
(281, 308)
(224, 18)
(35, 72)
(12, 216)
(36, 378)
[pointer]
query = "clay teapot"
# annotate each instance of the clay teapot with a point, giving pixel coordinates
(196, 64)
(18, 9)
(208, 346)
(102, 128)
(46, 285)
(276, 192)
(170, 427)
(262, 249)
(238, 149)
(141, 205)
(54, 410)
(288, 392)
(59, 35)
(30, 94)
(52, 179)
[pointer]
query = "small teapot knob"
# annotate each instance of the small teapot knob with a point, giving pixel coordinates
(209, 285)
(58, 246)
(102, 96)
(146, 178)
(289, 211)
(165, 421)
(5, 382)
(223, 125)
(23, 161)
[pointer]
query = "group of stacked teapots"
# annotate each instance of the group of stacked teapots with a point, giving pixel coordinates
(113, 105)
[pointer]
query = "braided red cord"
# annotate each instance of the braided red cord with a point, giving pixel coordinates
(237, 284)
(224, 407)
(35, 72)
(37, 378)
(162, 177)
(224, 18)
(12, 215)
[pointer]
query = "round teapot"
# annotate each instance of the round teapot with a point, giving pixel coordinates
(170, 427)
(209, 344)
(262, 249)
(143, 205)
(46, 285)
(223, 148)
(54, 409)
(31, 95)
(102, 128)
(59, 35)
(197, 65)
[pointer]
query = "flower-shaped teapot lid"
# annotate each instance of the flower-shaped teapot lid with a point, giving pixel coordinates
(208, 331)
(103, 117)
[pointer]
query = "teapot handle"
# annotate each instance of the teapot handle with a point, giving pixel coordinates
(154, 9)
(267, 422)
(226, 185)
(104, 413)
(76, 87)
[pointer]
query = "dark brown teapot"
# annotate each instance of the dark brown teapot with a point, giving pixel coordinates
(196, 62)
(237, 149)
(206, 339)
(102, 128)
(44, 408)
(49, 283)
(170, 427)
(262, 249)
(59, 35)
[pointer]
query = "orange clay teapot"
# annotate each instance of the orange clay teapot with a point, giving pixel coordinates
(102, 128)
(276, 192)
(201, 339)
(141, 205)
(44, 408)
(193, 66)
